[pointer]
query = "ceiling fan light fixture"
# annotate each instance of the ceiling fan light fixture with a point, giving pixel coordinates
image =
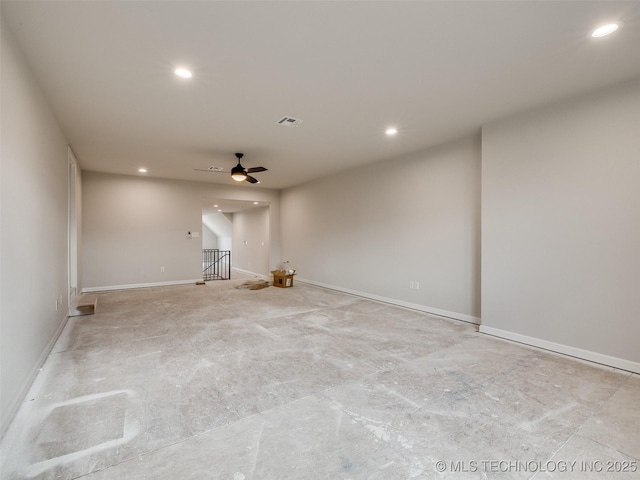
(238, 173)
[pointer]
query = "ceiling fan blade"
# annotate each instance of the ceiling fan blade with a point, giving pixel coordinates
(256, 169)
(250, 179)
(210, 171)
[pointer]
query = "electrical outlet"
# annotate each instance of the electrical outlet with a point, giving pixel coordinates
(416, 285)
(161, 269)
(411, 285)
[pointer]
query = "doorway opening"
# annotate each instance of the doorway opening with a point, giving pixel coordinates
(73, 228)
(235, 237)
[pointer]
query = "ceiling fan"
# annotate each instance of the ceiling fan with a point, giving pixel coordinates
(238, 173)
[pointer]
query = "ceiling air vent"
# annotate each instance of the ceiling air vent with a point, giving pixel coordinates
(289, 122)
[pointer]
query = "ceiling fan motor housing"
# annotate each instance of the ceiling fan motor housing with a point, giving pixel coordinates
(238, 173)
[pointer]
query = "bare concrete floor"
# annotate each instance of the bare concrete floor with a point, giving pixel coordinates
(213, 382)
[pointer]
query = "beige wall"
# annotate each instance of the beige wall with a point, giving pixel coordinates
(134, 225)
(561, 227)
(375, 229)
(209, 239)
(33, 259)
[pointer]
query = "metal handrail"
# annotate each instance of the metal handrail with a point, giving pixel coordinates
(216, 264)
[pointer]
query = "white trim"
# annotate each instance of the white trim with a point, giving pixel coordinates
(247, 272)
(11, 411)
(601, 358)
(400, 303)
(139, 285)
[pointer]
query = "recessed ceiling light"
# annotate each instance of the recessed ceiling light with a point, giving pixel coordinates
(142, 170)
(215, 206)
(391, 131)
(606, 29)
(219, 210)
(183, 73)
(256, 203)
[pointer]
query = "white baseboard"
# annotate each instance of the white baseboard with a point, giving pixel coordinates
(139, 285)
(247, 272)
(9, 413)
(400, 303)
(564, 349)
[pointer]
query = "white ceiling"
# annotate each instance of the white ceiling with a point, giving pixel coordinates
(435, 70)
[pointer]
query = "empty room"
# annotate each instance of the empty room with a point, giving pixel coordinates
(320, 240)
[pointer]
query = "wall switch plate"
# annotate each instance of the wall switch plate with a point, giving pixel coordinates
(161, 269)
